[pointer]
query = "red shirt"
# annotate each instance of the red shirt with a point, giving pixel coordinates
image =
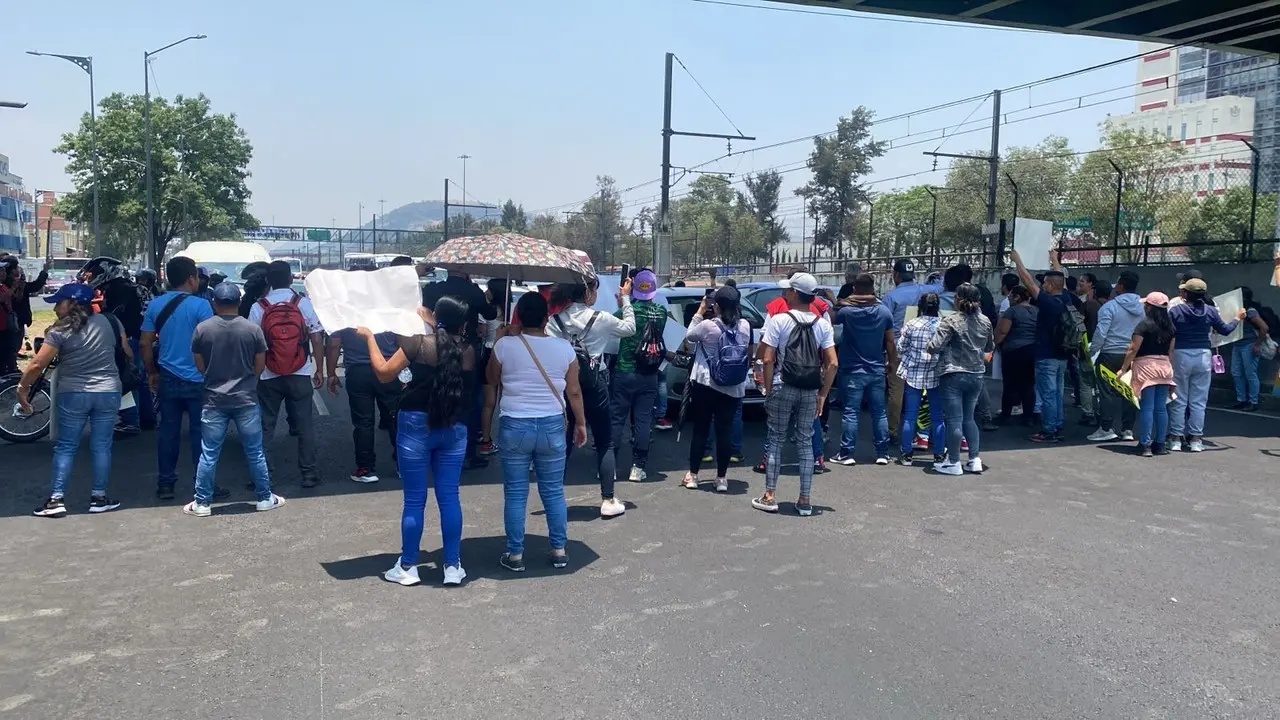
(778, 306)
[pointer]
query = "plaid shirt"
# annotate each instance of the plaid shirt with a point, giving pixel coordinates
(916, 365)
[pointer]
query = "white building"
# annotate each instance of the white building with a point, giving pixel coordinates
(1212, 131)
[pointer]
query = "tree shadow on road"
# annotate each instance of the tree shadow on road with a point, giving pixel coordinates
(479, 557)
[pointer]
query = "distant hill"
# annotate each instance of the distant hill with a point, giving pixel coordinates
(418, 215)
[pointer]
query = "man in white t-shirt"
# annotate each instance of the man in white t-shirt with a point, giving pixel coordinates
(795, 388)
(293, 372)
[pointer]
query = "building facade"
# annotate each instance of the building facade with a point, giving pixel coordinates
(12, 210)
(1212, 132)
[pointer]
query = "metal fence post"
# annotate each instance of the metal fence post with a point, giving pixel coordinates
(1115, 235)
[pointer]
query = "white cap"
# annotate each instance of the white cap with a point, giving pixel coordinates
(801, 282)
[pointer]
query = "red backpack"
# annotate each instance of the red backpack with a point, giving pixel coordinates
(286, 333)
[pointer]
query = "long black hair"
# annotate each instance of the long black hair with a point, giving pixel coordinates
(1158, 317)
(729, 308)
(445, 398)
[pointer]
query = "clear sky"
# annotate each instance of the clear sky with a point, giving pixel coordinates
(359, 102)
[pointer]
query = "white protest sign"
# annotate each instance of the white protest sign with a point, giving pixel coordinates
(385, 300)
(1228, 305)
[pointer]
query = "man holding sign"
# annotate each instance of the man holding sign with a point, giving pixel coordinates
(1059, 331)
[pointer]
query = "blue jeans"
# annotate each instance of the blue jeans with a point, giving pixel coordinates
(852, 387)
(1192, 372)
(959, 395)
(1153, 420)
(176, 397)
(143, 413)
(735, 438)
(75, 410)
(1244, 370)
(911, 399)
(1050, 375)
(542, 442)
(213, 432)
(660, 403)
(441, 450)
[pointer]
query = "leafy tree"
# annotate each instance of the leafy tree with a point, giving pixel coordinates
(761, 200)
(715, 225)
(199, 164)
(838, 162)
(903, 223)
(587, 231)
(513, 217)
(462, 224)
(548, 227)
(1226, 217)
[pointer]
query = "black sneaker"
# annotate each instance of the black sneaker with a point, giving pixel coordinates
(102, 504)
(820, 466)
(309, 482)
(220, 493)
(760, 467)
(52, 508)
(558, 562)
(1159, 449)
(514, 565)
(843, 458)
(906, 460)
(164, 491)
(939, 459)
(1145, 451)
(1251, 407)
(1240, 405)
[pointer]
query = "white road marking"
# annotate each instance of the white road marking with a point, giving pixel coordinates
(321, 407)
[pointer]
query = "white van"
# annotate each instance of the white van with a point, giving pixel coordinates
(225, 257)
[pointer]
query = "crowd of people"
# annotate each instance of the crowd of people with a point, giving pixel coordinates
(530, 385)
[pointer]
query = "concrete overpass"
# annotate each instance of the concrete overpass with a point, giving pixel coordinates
(1248, 26)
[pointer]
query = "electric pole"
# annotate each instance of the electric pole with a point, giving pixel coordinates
(462, 205)
(662, 239)
(993, 161)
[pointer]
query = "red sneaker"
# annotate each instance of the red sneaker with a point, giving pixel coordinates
(663, 424)
(486, 448)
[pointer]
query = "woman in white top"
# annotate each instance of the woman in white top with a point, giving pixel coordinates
(716, 358)
(535, 373)
(593, 330)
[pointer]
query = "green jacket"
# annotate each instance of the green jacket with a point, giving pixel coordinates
(646, 312)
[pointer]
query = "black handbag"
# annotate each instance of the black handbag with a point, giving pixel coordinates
(130, 378)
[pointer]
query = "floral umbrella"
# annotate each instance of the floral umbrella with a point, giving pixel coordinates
(517, 257)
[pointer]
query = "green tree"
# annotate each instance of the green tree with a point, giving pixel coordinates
(715, 225)
(761, 200)
(199, 164)
(838, 162)
(1226, 217)
(587, 230)
(513, 217)
(548, 227)
(903, 223)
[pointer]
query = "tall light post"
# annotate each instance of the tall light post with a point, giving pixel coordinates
(464, 158)
(85, 63)
(146, 111)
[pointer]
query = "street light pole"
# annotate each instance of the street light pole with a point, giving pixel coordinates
(464, 158)
(152, 261)
(85, 63)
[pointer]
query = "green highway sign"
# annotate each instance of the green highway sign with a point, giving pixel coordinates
(1137, 222)
(1076, 223)
(318, 235)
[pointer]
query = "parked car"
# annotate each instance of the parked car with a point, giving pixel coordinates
(759, 294)
(682, 303)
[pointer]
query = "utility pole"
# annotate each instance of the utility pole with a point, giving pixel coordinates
(85, 63)
(662, 240)
(600, 214)
(993, 161)
(464, 158)
(152, 260)
(375, 237)
(463, 205)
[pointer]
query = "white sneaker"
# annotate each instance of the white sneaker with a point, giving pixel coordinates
(453, 574)
(400, 576)
(882, 460)
(949, 468)
(1175, 446)
(194, 508)
(270, 503)
(1127, 435)
(638, 475)
(722, 485)
(1196, 446)
(974, 466)
(1102, 435)
(612, 507)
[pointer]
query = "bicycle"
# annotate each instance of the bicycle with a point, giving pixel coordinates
(15, 426)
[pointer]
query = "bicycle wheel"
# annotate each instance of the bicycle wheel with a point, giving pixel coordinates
(18, 428)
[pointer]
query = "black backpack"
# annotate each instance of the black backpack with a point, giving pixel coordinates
(591, 371)
(651, 351)
(130, 378)
(802, 362)
(1068, 335)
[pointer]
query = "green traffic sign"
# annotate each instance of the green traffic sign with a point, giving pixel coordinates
(318, 235)
(1078, 223)
(1138, 222)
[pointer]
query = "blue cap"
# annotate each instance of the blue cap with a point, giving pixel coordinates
(79, 292)
(227, 293)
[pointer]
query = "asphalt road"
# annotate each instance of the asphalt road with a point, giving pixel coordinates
(1072, 581)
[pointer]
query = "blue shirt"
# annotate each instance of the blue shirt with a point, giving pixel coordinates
(355, 349)
(1192, 323)
(862, 344)
(1049, 317)
(906, 294)
(175, 340)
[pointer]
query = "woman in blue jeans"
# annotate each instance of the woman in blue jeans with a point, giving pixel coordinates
(431, 434)
(964, 344)
(918, 369)
(1193, 319)
(1245, 353)
(88, 391)
(534, 372)
(1148, 356)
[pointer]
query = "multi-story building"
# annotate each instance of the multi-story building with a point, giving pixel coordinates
(11, 210)
(1189, 76)
(1212, 132)
(48, 233)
